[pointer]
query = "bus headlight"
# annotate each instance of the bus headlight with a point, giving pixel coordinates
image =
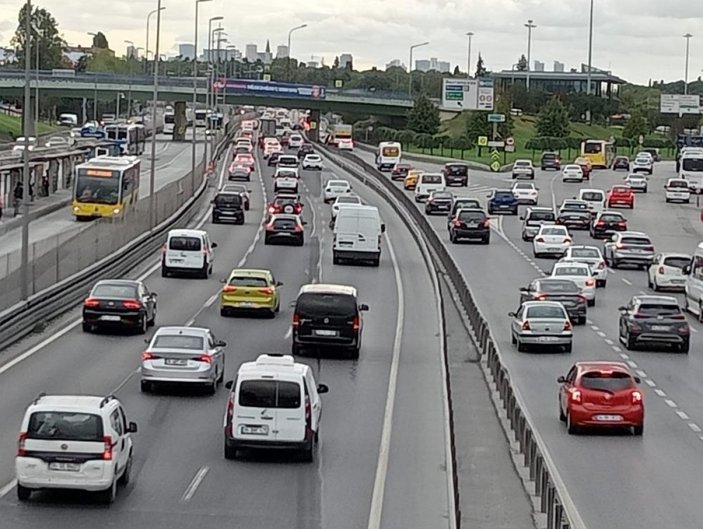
(76, 209)
(116, 211)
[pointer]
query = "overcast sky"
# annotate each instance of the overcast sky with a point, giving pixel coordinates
(636, 39)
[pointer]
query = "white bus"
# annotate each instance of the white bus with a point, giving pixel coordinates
(201, 116)
(131, 138)
(388, 155)
(691, 168)
(169, 121)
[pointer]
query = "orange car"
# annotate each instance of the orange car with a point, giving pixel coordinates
(585, 165)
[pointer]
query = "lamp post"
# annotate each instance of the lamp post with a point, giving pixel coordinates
(209, 57)
(470, 34)
(152, 169)
(590, 60)
(95, 89)
(130, 59)
(530, 26)
(410, 68)
(216, 63)
(687, 36)
(290, 56)
(195, 91)
(36, 87)
(26, 124)
(146, 50)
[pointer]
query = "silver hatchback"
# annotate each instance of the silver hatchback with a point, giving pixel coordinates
(183, 355)
(541, 324)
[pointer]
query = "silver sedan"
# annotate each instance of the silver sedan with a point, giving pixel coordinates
(541, 324)
(183, 355)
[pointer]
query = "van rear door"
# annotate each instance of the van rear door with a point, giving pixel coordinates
(290, 411)
(185, 251)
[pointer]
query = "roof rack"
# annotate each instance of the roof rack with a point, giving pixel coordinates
(38, 398)
(106, 400)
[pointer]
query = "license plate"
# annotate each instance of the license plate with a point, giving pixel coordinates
(245, 304)
(175, 260)
(227, 213)
(504, 206)
(678, 281)
(608, 418)
(547, 339)
(554, 250)
(472, 225)
(110, 318)
(255, 430)
(176, 362)
(660, 328)
(70, 467)
(325, 332)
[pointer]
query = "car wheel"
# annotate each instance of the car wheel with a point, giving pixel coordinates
(700, 311)
(630, 343)
(267, 240)
(562, 416)
(354, 352)
(230, 450)
(110, 494)
(614, 263)
(486, 240)
(307, 454)
(143, 324)
(376, 262)
(126, 475)
(87, 327)
(211, 387)
(684, 347)
(520, 346)
(452, 238)
(638, 430)
(571, 428)
(568, 348)
(591, 302)
(296, 349)
(23, 493)
(512, 339)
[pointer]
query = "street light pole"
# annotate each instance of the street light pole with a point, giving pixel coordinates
(152, 169)
(209, 61)
(129, 93)
(290, 56)
(195, 93)
(146, 51)
(687, 36)
(470, 34)
(26, 124)
(36, 88)
(95, 89)
(590, 63)
(530, 26)
(410, 68)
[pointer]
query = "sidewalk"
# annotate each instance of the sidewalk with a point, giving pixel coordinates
(40, 207)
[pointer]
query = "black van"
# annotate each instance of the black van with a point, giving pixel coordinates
(456, 173)
(228, 206)
(327, 317)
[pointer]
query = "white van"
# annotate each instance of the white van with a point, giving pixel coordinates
(427, 183)
(274, 403)
(691, 168)
(693, 289)
(388, 155)
(187, 252)
(357, 234)
(595, 199)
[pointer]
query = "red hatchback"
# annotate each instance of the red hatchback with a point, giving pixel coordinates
(601, 395)
(620, 196)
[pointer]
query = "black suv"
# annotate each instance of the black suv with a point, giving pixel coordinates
(550, 160)
(654, 320)
(456, 173)
(273, 159)
(470, 224)
(228, 206)
(305, 148)
(327, 317)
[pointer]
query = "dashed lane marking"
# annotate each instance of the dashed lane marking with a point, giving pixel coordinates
(670, 403)
(683, 415)
(660, 392)
(194, 484)
(626, 281)
(693, 426)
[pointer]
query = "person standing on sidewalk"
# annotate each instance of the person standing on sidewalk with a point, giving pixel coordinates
(18, 193)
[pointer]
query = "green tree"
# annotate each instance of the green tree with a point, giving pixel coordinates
(100, 41)
(522, 65)
(480, 67)
(477, 125)
(101, 60)
(637, 126)
(407, 138)
(457, 71)
(423, 118)
(335, 64)
(45, 34)
(553, 120)
(503, 106)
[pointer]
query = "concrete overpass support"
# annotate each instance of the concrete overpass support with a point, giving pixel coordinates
(180, 124)
(314, 132)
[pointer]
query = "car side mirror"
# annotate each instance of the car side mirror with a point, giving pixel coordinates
(154, 294)
(637, 379)
(561, 379)
(512, 314)
(221, 343)
(363, 307)
(214, 245)
(383, 228)
(322, 388)
(132, 427)
(687, 270)
(622, 309)
(146, 341)
(212, 201)
(304, 223)
(229, 384)
(524, 289)
(279, 284)
(522, 217)
(488, 196)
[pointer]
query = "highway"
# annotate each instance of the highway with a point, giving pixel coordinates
(376, 462)
(615, 480)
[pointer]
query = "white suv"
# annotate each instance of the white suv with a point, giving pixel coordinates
(74, 442)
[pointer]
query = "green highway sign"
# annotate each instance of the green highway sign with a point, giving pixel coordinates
(496, 118)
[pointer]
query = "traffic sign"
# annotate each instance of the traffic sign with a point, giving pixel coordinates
(495, 161)
(313, 125)
(510, 141)
(510, 148)
(498, 144)
(267, 77)
(640, 140)
(338, 83)
(482, 141)
(496, 118)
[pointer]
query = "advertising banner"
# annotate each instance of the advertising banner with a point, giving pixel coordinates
(265, 88)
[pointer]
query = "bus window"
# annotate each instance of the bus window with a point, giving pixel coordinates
(97, 189)
(592, 148)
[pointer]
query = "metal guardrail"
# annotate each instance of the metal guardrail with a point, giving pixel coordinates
(555, 501)
(24, 317)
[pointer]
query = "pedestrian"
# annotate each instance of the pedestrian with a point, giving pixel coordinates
(18, 193)
(45, 185)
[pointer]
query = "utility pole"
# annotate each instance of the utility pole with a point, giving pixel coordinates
(26, 125)
(530, 26)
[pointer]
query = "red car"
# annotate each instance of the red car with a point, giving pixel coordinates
(620, 196)
(289, 204)
(245, 159)
(601, 395)
(400, 171)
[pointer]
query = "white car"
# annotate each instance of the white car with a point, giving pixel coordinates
(552, 240)
(643, 164)
(677, 190)
(312, 161)
(526, 193)
(334, 189)
(427, 183)
(645, 154)
(666, 271)
(579, 273)
(286, 179)
(636, 182)
(74, 442)
(188, 252)
(595, 199)
(592, 256)
(345, 144)
(345, 200)
(56, 142)
(572, 173)
(523, 169)
(295, 141)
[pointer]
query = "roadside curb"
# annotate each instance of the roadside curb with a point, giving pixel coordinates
(16, 222)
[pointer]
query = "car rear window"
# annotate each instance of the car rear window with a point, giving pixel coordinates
(466, 204)
(348, 200)
(232, 199)
(114, 291)
(541, 215)
(554, 231)
(472, 216)
(504, 194)
(523, 186)
(588, 253)
(592, 197)
(286, 174)
(637, 241)
(457, 170)
(288, 160)
(431, 179)
(678, 262)
(269, 394)
(549, 156)
(548, 311)
(65, 426)
(522, 164)
(575, 206)
(559, 285)
(571, 271)
(245, 281)
(621, 190)
(313, 305)
(605, 381)
(658, 309)
(178, 341)
(679, 183)
(284, 224)
(187, 244)
(442, 195)
(612, 218)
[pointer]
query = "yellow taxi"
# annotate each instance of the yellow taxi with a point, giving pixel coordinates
(250, 290)
(586, 166)
(410, 180)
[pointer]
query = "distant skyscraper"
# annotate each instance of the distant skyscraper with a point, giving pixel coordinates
(251, 52)
(432, 64)
(539, 66)
(131, 52)
(346, 59)
(186, 51)
(558, 66)
(395, 63)
(282, 52)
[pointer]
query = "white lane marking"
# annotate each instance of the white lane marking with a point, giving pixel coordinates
(660, 392)
(601, 334)
(670, 403)
(7, 488)
(289, 333)
(632, 364)
(692, 425)
(212, 299)
(609, 341)
(693, 329)
(194, 484)
(641, 373)
(379, 484)
(124, 381)
(590, 322)
(624, 356)
(626, 281)
(683, 415)
(617, 349)
(650, 382)
(595, 328)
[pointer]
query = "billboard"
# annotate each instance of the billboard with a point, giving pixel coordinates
(467, 94)
(679, 104)
(266, 88)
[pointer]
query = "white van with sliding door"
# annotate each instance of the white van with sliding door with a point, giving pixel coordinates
(273, 403)
(595, 199)
(357, 234)
(693, 288)
(187, 252)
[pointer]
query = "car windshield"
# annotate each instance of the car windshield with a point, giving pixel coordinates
(247, 281)
(572, 168)
(588, 253)
(642, 160)
(178, 341)
(559, 286)
(286, 174)
(269, 394)
(677, 262)
(187, 244)
(637, 241)
(65, 426)
(549, 156)
(692, 164)
(541, 215)
(545, 311)
(607, 381)
(571, 271)
(658, 309)
(554, 230)
(114, 290)
(338, 184)
(312, 158)
(592, 196)
(315, 305)
(442, 195)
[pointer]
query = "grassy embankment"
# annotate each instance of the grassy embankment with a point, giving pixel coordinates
(11, 128)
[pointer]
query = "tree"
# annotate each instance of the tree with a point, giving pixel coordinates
(480, 68)
(553, 120)
(457, 71)
(423, 118)
(477, 125)
(100, 41)
(407, 138)
(522, 65)
(637, 126)
(503, 106)
(335, 64)
(45, 34)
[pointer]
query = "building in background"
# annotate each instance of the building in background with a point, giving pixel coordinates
(224, 55)
(396, 63)
(131, 52)
(186, 51)
(74, 53)
(282, 52)
(432, 64)
(251, 52)
(346, 60)
(539, 66)
(265, 56)
(558, 66)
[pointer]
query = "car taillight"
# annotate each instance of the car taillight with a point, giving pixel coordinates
(660, 270)
(581, 299)
(356, 323)
(541, 297)
(622, 224)
(636, 397)
(649, 248)
(266, 290)
(526, 326)
(298, 208)
(619, 245)
(269, 226)
(677, 317)
(567, 240)
(203, 358)
(600, 223)
(91, 302)
(486, 223)
(272, 210)
(590, 282)
(229, 289)
(296, 319)
(640, 316)
(567, 325)
(308, 415)
(457, 223)
(107, 448)
(21, 452)
(575, 395)
(132, 304)
(298, 228)
(230, 414)
(601, 265)
(539, 239)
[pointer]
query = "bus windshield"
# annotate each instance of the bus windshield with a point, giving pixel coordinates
(97, 189)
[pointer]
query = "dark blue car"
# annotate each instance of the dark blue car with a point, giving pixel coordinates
(502, 200)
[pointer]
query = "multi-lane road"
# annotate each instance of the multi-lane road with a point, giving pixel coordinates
(614, 480)
(382, 453)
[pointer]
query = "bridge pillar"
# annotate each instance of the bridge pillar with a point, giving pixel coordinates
(314, 132)
(180, 122)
